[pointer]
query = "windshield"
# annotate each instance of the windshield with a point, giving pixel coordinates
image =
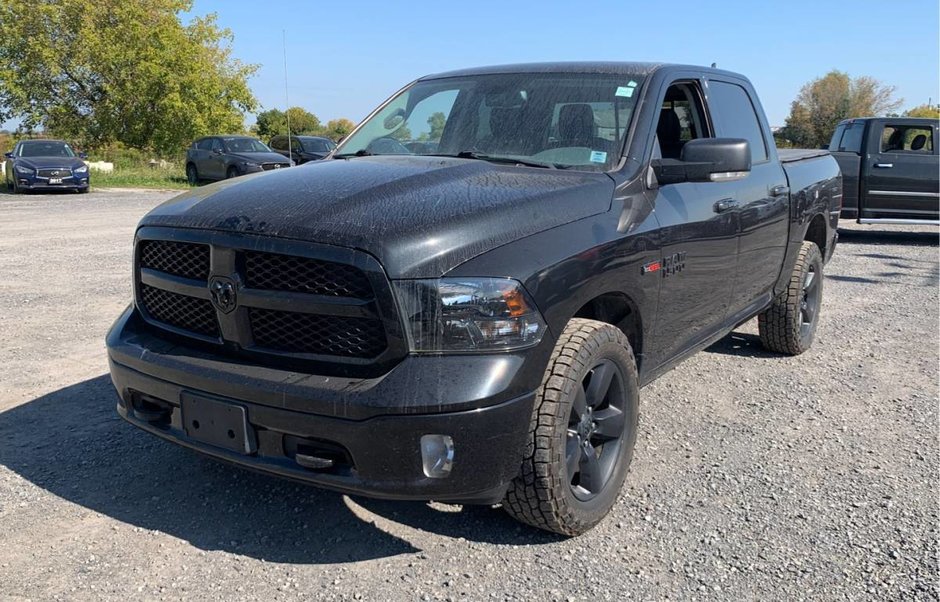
(244, 145)
(565, 120)
(316, 145)
(45, 149)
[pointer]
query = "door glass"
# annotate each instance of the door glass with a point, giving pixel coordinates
(738, 117)
(680, 120)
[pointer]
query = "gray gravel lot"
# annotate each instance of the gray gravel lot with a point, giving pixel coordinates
(755, 477)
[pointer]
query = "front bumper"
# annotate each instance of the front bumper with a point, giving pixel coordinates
(35, 183)
(372, 427)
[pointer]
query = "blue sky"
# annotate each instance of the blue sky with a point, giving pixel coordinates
(344, 58)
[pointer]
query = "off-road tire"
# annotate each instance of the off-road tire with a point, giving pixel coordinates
(541, 495)
(781, 326)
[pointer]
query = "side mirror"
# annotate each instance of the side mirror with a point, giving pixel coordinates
(82, 155)
(707, 160)
(8, 155)
(217, 151)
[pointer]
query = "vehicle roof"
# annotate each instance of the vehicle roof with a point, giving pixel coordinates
(41, 140)
(900, 120)
(226, 136)
(598, 67)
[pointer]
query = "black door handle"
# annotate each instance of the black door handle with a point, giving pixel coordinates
(725, 205)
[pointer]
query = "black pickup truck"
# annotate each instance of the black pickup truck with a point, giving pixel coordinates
(890, 170)
(473, 325)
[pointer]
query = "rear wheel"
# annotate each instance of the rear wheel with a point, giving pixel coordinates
(192, 175)
(582, 433)
(789, 325)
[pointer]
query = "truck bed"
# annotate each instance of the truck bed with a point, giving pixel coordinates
(789, 155)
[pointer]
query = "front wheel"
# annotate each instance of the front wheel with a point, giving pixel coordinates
(789, 324)
(582, 432)
(231, 173)
(192, 175)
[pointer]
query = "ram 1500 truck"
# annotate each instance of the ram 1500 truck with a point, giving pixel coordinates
(890, 170)
(473, 324)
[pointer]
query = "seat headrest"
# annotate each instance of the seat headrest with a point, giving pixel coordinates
(669, 129)
(919, 141)
(576, 122)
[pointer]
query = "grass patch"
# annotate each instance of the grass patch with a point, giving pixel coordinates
(139, 177)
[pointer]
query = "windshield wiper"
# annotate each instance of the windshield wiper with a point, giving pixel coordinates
(469, 154)
(359, 153)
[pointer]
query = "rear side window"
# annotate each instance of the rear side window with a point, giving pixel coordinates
(848, 137)
(907, 139)
(737, 117)
(204, 144)
(278, 142)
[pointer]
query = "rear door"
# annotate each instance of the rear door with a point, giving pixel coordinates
(901, 171)
(846, 147)
(762, 198)
(699, 233)
(215, 160)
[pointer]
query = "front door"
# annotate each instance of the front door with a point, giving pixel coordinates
(902, 166)
(699, 235)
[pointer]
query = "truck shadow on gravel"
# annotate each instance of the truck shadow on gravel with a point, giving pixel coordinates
(742, 345)
(72, 443)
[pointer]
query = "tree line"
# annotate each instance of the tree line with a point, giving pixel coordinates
(131, 73)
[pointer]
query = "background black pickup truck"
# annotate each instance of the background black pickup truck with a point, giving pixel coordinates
(890, 170)
(473, 324)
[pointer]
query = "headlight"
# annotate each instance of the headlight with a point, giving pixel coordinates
(249, 164)
(26, 171)
(82, 169)
(468, 314)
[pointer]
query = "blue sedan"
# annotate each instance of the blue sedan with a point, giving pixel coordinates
(45, 165)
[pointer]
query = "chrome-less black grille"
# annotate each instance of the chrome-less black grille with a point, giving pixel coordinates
(61, 172)
(319, 334)
(305, 275)
(180, 259)
(180, 311)
(304, 302)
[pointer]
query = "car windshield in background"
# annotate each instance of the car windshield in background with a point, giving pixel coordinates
(46, 149)
(316, 145)
(564, 120)
(245, 145)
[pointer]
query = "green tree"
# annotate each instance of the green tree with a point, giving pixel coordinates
(926, 111)
(825, 101)
(125, 71)
(436, 122)
(402, 134)
(338, 128)
(273, 122)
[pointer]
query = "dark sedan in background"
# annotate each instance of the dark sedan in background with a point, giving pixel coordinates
(45, 165)
(303, 149)
(221, 157)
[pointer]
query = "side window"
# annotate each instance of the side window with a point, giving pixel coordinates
(216, 145)
(681, 118)
(277, 143)
(737, 117)
(907, 138)
(837, 138)
(204, 144)
(852, 139)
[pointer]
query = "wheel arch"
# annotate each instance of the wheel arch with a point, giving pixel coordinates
(816, 232)
(618, 309)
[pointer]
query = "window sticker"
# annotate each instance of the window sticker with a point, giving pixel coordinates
(598, 157)
(627, 90)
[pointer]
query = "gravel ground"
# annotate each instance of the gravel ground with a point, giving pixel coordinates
(755, 476)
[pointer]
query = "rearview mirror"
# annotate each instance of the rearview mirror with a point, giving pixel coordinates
(706, 160)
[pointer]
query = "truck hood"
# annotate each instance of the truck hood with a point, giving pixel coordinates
(419, 216)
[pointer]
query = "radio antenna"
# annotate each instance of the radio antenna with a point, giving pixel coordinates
(290, 150)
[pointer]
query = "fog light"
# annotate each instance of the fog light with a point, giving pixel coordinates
(437, 455)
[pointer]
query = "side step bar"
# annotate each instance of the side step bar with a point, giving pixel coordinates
(910, 222)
